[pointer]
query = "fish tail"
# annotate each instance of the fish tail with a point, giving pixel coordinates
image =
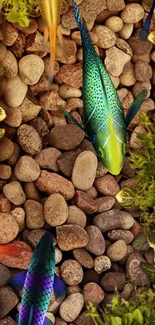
(52, 33)
(77, 14)
(145, 30)
(12, 250)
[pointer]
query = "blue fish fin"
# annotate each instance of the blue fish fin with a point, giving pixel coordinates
(59, 287)
(17, 281)
(68, 115)
(135, 106)
(30, 315)
(16, 318)
(145, 30)
(47, 321)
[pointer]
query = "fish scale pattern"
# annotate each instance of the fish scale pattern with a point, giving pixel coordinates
(37, 291)
(101, 101)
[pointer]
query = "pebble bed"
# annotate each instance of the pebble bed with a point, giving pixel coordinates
(50, 178)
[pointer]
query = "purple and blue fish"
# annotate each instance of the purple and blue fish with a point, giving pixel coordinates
(145, 30)
(38, 281)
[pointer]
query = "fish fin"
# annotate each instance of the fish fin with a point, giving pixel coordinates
(68, 115)
(77, 14)
(135, 106)
(17, 281)
(52, 33)
(59, 287)
(30, 315)
(12, 250)
(47, 321)
(60, 37)
(45, 40)
(16, 318)
(145, 30)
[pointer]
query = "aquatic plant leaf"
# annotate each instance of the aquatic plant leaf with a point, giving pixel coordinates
(151, 37)
(149, 270)
(114, 320)
(127, 319)
(2, 114)
(151, 237)
(137, 315)
(2, 132)
(140, 243)
(126, 197)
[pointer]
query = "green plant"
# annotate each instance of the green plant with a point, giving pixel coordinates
(2, 117)
(137, 311)
(19, 11)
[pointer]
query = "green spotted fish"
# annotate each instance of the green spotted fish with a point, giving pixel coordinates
(103, 114)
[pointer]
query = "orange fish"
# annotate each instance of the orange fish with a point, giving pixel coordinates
(50, 10)
(14, 251)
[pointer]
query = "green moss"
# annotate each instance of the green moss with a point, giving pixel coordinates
(137, 311)
(19, 11)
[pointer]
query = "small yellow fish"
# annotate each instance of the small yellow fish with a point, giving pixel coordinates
(50, 10)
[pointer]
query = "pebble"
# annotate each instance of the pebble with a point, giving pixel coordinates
(31, 191)
(6, 148)
(19, 215)
(8, 300)
(31, 67)
(115, 61)
(5, 275)
(15, 155)
(116, 234)
(55, 210)
(34, 236)
(102, 263)
(13, 87)
(58, 255)
(7, 320)
(96, 243)
(22, 260)
(112, 5)
(139, 47)
(84, 202)
(29, 139)
(9, 64)
(51, 183)
(9, 228)
(135, 272)
(70, 75)
(126, 31)
(128, 78)
(59, 321)
(106, 37)
(143, 71)
(66, 161)
(66, 91)
(29, 110)
(71, 307)
(93, 293)
(68, 55)
(104, 203)
(5, 205)
(14, 192)
(66, 137)
(5, 171)
(19, 45)
(10, 34)
(34, 214)
(107, 185)
(51, 99)
(101, 170)
(83, 257)
(73, 289)
(71, 236)
(134, 141)
(113, 219)
(27, 169)
(92, 192)
(117, 251)
(112, 281)
(114, 23)
(13, 116)
(132, 13)
(47, 158)
(71, 272)
(84, 170)
(76, 216)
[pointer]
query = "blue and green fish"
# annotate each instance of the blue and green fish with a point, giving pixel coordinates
(39, 281)
(103, 114)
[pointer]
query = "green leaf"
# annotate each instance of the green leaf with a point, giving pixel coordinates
(120, 310)
(126, 197)
(149, 270)
(151, 237)
(140, 243)
(127, 319)
(145, 312)
(137, 315)
(115, 320)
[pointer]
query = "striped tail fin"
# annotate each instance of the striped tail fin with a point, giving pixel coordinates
(77, 14)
